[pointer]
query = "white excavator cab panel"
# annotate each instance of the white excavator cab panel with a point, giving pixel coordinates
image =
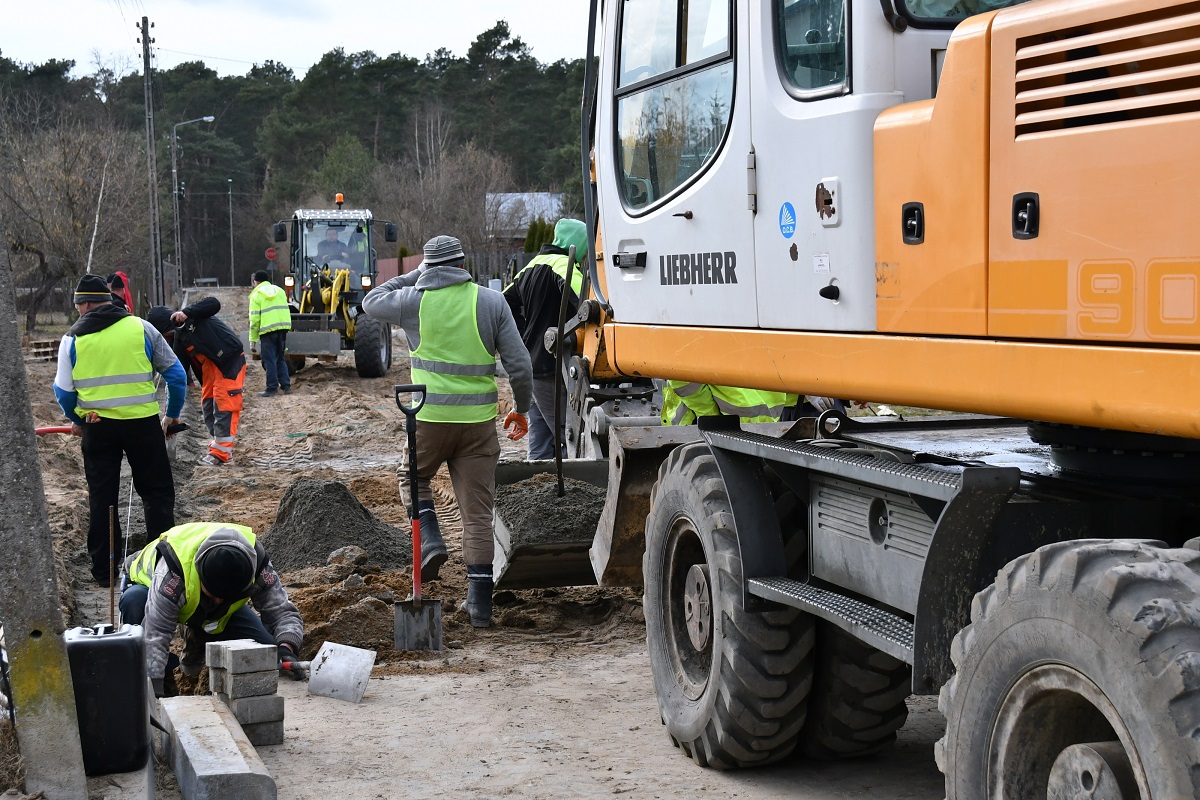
(673, 140)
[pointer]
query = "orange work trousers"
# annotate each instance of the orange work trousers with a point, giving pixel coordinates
(222, 403)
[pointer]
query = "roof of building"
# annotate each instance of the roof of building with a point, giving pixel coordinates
(515, 210)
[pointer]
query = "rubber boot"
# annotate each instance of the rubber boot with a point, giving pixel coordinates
(479, 594)
(433, 546)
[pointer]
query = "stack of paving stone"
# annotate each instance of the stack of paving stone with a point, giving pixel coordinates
(244, 675)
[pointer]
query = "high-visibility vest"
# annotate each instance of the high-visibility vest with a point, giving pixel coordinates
(112, 374)
(269, 311)
(558, 263)
(182, 542)
(458, 372)
(749, 405)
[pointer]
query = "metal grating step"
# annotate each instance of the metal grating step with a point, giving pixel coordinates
(926, 480)
(881, 629)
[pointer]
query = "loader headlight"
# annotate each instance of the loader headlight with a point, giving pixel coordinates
(289, 281)
(366, 281)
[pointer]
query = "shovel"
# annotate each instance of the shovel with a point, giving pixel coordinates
(338, 671)
(418, 621)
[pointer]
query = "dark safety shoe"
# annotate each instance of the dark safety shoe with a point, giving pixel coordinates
(433, 546)
(285, 389)
(267, 393)
(479, 594)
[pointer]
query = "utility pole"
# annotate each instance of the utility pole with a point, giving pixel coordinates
(157, 289)
(231, 278)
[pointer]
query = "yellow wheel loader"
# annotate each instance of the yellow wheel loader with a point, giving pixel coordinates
(981, 207)
(333, 265)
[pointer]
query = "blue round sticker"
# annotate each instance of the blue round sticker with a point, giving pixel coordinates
(787, 220)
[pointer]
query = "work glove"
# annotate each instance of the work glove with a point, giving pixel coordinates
(254, 348)
(289, 663)
(821, 404)
(518, 423)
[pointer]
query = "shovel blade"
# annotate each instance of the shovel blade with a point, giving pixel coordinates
(341, 672)
(419, 625)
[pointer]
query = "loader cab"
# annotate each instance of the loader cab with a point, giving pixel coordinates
(327, 242)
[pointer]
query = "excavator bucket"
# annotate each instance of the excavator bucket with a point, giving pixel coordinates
(611, 553)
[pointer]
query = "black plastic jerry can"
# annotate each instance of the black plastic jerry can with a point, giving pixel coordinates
(108, 669)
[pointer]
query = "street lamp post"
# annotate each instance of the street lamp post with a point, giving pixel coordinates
(175, 191)
(230, 182)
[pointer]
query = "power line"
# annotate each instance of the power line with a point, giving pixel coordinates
(202, 55)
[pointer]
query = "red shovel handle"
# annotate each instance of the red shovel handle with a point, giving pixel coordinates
(53, 429)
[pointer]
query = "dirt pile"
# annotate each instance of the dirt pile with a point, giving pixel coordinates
(317, 517)
(535, 514)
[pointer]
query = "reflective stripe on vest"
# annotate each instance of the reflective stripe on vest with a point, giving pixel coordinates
(184, 541)
(558, 263)
(751, 405)
(112, 374)
(458, 372)
(269, 309)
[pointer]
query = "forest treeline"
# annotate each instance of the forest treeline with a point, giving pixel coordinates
(419, 141)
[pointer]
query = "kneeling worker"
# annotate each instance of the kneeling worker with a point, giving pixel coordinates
(200, 575)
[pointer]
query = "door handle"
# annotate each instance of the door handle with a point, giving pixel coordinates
(1026, 215)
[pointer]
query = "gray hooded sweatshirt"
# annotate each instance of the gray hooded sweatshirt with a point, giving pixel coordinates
(398, 301)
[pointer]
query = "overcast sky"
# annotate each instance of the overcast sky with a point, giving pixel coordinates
(231, 35)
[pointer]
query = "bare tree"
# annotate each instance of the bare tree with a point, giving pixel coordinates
(431, 137)
(69, 186)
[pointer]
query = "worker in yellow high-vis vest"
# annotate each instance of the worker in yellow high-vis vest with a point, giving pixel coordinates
(455, 330)
(105, 386)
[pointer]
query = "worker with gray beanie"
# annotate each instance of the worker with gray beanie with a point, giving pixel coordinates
(455, 330)
(201, 575)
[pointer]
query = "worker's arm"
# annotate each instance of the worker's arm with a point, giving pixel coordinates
(166, 364)
(164, 603)
(395, 300)
(696, 396)
(203, 308)
(255, 314)
(279, 614)
(512, 352)
(64, 384)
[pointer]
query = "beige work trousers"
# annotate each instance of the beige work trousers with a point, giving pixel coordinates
(470, 452)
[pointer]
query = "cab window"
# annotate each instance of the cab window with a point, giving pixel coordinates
(674, 93)
(812, 49)
(948, 13)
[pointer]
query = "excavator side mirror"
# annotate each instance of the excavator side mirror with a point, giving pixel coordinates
(390, 232)
(281, 231)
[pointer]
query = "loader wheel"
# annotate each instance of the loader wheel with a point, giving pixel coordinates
(1079, 676)
(294, 364)
(732, 686)
(372, 347)
(857, 700)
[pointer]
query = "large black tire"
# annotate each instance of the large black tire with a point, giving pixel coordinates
(732, 686)
(372, 347)
(294, 364)
(857, 701)
(1081, 642)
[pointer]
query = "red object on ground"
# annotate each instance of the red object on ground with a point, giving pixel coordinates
(53, 429)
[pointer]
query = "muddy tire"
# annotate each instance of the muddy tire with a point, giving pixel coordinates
(1078, 649)
(857, 700)
(294, 364)
(372, 347)
(732, 686)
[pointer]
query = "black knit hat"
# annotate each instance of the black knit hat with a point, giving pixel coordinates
(225, 570)
(92, 289)
(261, 276)
(160, 318)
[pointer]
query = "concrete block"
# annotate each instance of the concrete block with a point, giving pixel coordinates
(216, 680)
(212, 651)
(250, 684)
(243, 656)
(252, 710)
(264, 733)
(210, 754)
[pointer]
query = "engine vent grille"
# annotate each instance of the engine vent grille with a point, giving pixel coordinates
(1136, 67)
